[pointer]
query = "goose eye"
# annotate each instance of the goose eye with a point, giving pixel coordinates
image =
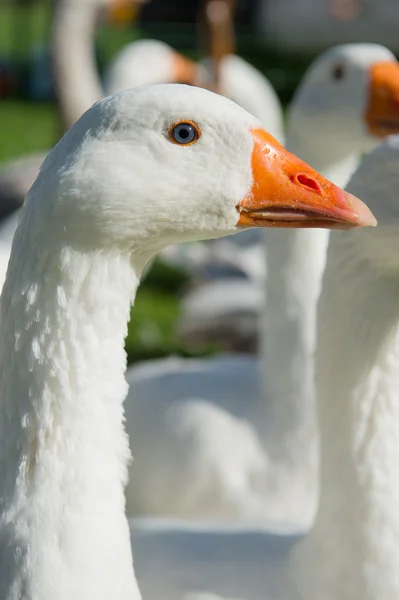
(184, 133)
(338, 72)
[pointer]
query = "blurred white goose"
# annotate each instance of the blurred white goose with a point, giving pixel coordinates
(139, 170)
(352, 550)
(145, 62)
(236, 437)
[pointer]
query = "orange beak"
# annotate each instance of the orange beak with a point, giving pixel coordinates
(382, 112)
(286, 192)
(124, 11)
(184, 69)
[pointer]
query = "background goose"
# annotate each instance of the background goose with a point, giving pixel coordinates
(91, 222)
(145, 62)
(258, 418)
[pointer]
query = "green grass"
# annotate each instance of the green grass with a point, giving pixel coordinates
(26, 127)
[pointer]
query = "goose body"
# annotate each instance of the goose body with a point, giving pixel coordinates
(181, 561)
(274, 476)
(357, 337)
(91, 222)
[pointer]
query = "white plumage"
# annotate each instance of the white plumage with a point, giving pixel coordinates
(113, 192)
(356, 532)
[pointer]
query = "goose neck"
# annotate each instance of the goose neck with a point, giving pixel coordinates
(295, 263)
(356, 532)
(76, 76)
(64, 451)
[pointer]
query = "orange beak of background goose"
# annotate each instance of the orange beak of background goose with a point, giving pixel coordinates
(184, 69)
(382, 112)
(286, 192)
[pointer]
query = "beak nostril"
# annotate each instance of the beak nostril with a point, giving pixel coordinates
(308, 182)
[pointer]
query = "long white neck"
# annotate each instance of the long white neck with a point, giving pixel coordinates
(294, 266)
(354, 545)
(74, 64)
(63, 448)
(295, 263)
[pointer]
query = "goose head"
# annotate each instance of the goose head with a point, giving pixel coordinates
(147, 62)
(172, 163)
(349, 96)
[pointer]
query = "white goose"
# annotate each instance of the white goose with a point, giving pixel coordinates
(264, 464)
(358, 411)
(139, 170)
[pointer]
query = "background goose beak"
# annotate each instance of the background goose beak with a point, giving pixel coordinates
(123, 11)
(286, 192)
(184, 69)
(382, 113)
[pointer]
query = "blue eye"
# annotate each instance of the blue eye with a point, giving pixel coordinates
(184, 133)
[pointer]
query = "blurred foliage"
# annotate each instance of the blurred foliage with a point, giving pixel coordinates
(26, 127)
